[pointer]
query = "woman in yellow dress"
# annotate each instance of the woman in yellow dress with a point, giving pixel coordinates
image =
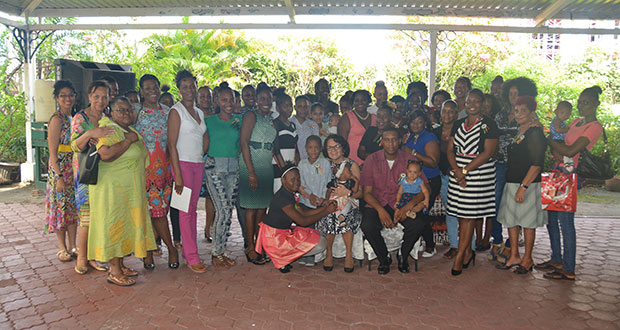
(121, 223)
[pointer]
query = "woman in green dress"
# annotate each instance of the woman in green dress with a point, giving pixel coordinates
(117, 202)
(255, 169)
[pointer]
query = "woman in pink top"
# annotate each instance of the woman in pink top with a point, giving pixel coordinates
(354, 124)
(583, 133)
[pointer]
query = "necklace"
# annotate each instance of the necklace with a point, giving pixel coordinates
(360, 117)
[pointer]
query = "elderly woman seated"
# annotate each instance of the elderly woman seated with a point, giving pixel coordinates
(118, 202)
(283, 242)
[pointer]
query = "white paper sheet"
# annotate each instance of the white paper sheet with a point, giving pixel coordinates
(181, 202)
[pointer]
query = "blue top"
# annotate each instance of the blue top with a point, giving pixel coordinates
(418, 145)
(554, 134)
(411, 188)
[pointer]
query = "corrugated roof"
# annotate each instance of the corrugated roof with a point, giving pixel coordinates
(564, 9)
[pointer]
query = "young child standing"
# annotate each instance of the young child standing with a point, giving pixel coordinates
(410, 186)
(316, 114)
(558, 126)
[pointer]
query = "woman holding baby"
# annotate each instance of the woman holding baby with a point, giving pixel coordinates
(347, 221)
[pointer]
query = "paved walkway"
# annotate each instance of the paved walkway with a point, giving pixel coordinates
(37, 291)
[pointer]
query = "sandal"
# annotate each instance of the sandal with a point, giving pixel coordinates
(559, 274)
(522, 270)
(73, 252)
(198, 268)
(80, 270)
(450, 254)
(218, 261)
(545, 266)
(64, 256)
(492, 256)
(94, 265)
(129, 272)
(120, 280)
(229, 262)
(258, 260)
(506, 267)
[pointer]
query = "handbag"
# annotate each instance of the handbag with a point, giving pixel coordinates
(559, 191)
(88, 161)
(596, 167)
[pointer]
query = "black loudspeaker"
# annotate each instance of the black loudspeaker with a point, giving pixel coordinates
(82, 73)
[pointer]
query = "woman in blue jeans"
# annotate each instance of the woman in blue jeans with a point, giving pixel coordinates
(449, 114)
(582, 134)
(223, 177)
(424, 145)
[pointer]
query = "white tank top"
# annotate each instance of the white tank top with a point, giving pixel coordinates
(189, 143)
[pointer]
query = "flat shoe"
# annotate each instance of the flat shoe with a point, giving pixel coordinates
(64, 256)
(120, 280)
(522, 270)
(545, 266)
(93, 264)
(198, 268)
(558, 275)
(81, 270)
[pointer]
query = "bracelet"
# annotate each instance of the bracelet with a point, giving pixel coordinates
(522, 185)
(414, 153)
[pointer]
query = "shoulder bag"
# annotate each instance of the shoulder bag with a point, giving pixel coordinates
(596, 167)
(89, 165)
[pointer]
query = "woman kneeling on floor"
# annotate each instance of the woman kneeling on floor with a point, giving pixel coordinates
(283, 242)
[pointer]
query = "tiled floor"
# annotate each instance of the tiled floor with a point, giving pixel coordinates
(37, 291)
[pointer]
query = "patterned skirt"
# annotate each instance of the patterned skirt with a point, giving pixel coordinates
(60, 207)
(330, 225)
(158, 184)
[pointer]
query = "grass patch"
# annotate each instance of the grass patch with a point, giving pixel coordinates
(597, 199)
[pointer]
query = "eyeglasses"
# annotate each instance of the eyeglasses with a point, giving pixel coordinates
(124, 110)
(334, 147)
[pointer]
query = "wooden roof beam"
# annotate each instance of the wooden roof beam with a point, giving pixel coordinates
(551, 11)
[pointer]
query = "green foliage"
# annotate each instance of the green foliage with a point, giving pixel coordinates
(12, 108)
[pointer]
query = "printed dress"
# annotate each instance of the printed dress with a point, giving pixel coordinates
(477, 199)
(352, 219)
(60, 207)
(119, 204)
(261, 153)
(152, 125)
(80, 124)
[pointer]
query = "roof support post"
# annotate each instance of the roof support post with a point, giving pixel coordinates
(29, 42)
(432, 72)
(550, 11)
(291, 10)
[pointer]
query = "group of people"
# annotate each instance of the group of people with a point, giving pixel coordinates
(300, 171)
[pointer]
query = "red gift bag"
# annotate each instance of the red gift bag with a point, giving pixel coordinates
(559, 191)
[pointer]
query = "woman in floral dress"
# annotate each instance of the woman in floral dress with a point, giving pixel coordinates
(60, 206)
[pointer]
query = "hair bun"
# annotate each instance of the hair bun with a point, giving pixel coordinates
(224, 84)
(597, 89)
(165, 88)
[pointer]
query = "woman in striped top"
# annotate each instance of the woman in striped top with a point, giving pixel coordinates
(471, 194)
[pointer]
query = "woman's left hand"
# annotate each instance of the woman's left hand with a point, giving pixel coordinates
(520, 195)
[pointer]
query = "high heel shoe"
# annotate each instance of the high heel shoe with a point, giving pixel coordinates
(456, 272)
(471, 260)
(148, 266)
(173, 265)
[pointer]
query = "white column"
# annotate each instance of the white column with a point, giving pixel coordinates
(27, 168)
(432, 72)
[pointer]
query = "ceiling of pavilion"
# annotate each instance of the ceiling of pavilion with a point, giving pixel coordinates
(532, 9)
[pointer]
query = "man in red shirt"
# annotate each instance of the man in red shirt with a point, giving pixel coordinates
(381, 174)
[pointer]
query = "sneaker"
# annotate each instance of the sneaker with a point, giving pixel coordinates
(417, 247)
(307, 261)
(428, 253)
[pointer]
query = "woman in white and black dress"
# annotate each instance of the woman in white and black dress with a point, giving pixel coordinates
(285, 144)
(471, 192)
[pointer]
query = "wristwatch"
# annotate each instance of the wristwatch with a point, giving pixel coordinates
(464, 171)
(522, 185)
